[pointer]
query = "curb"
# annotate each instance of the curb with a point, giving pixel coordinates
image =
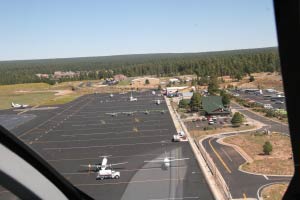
(259, 174)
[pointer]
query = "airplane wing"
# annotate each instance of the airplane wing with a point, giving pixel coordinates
(179, 159)
(117, 164)
(89, 166)
(154, 161)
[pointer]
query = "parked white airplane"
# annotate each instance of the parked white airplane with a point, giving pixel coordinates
(166, 161)
(158, 101)
(112, 114)
(131, 98)
(103, 165)
(128, 113)
(18, 105)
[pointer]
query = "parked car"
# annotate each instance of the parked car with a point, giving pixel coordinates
(211, 122)
(268, 106)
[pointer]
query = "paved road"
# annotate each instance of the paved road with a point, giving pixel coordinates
(79, 132)
(272, 125)
(228, 160)
(240, 184)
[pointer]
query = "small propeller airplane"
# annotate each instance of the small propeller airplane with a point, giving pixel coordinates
(166, 161)
(158, 101)
(128, 113)
(112, 114)
(131, 98)
(18, 105)
(103, 165)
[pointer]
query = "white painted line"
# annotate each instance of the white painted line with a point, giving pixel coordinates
(130, 182)
(97, 158)
(266, 177)
(96, 146)
(87, 140)
(141, 131)
(123, 170)
(226, 154)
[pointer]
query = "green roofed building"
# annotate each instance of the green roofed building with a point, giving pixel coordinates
(212, 105)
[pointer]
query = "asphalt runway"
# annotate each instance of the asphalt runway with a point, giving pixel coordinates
(11, 121)
(79, 132)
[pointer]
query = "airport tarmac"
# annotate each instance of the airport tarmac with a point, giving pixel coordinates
(79, 132)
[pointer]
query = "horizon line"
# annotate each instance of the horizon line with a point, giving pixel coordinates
(112, 55)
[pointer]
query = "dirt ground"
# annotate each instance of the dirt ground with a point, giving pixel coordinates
(278, 162)
(262, 80)
(274, 192)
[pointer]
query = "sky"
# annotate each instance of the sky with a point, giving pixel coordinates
(35, 29)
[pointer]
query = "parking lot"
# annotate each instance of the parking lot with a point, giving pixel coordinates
(97, 125)
(261, 98)
(200, 123)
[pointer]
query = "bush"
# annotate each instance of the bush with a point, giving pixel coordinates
(267, 148)
(207, 128)
(184, 103)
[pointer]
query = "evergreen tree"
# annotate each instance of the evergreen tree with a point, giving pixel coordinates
(183, 103)
(225, 99)
(237, 119)
(267, 148)
(195, 103)
(213, 86)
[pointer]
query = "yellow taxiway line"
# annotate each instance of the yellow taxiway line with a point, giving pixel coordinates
(218, 155)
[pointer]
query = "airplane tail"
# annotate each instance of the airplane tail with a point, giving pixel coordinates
(12, 104)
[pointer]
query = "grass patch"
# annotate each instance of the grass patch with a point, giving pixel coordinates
(29, 98)
(124, 82)
(11, 89)
(60, 100)
(279, 162)
(274, 192)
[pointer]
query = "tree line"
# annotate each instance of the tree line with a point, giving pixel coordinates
(235, 63)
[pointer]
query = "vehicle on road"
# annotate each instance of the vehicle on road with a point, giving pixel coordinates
(178, 137)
